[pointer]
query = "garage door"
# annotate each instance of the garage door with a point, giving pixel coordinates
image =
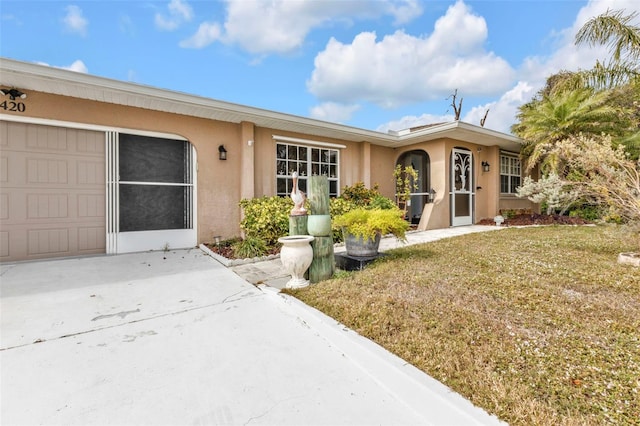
(52, 192)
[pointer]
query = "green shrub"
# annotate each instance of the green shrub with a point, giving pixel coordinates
(508, 213)
(358, 194)
(366, 223)
(382, 203)
(353, 197)
(266, 218)
(338, 206)
(250, 247)
(587, 212)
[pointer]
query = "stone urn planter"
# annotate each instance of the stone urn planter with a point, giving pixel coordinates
(296, 256)
(359, 247)
(362, 229)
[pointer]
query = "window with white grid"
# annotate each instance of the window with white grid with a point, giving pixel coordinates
(307, 161)
(510, 173)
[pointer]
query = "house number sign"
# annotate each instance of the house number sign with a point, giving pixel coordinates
(13, 106)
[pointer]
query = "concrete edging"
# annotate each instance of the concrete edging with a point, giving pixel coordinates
(406, 382)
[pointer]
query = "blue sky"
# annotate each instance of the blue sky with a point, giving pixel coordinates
(373, 64)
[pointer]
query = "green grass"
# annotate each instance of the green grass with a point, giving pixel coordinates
(535, 325)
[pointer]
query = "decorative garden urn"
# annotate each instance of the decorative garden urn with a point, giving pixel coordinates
(296, 256)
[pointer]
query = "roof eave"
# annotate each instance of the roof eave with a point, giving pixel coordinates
(30, 76)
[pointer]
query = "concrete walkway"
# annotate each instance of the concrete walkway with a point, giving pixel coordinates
(177, 338)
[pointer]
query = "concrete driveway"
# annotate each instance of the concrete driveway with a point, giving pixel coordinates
(177, 338)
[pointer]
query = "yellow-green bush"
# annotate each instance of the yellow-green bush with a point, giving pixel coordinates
(266, 218)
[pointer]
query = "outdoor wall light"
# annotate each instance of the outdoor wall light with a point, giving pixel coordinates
(485, 167)
(222, 153)
(13, 93)
(432, 195)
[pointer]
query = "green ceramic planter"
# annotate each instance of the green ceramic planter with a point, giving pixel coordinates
(319, 225)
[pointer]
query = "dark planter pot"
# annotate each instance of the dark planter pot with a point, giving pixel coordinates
(360, 248)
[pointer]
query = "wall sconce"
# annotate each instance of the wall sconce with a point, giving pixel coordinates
(13, 94)
(222, 153)
(432, 195)
(485, 167)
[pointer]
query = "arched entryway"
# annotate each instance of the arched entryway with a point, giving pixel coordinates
(420, 161)
(462, 187)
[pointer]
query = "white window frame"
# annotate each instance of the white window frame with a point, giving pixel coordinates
(510, 166)
(324, 166)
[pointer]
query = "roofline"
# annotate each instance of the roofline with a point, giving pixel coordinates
(444, 127)
(253, 114)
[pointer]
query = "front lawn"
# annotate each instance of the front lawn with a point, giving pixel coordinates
(535, 325)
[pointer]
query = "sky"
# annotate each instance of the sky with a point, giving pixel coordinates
(373, 64)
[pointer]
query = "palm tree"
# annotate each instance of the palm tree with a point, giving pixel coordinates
(616, 30)
(558, 115)
(602, 100)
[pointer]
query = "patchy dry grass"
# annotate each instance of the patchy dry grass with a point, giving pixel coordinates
(535, 325)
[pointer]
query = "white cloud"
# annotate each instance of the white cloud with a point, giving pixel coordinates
(409, 121)
(502, 112)
(126, 26)
(74, 22)
(207, 33)
(10, 18)
(404, 11)
(334, 112)
(402, 69)
(531, 73)
(282, 26)
(179, 12)
(77, 66)
(534, 70)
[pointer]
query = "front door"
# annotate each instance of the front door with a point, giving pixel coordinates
(462, 193)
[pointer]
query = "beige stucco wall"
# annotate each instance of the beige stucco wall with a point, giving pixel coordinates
(218, 182)
(488, 200)
(249, 170)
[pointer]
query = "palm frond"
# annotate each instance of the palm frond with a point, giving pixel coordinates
(614, 29)
(605, 76)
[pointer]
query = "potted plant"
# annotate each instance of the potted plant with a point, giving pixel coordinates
(362, 229)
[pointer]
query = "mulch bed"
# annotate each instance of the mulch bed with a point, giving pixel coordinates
(537, 219)
(226, 251)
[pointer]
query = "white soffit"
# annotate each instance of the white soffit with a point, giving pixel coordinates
(28, 76)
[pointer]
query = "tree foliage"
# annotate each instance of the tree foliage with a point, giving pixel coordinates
(616, 30)
(602, 100)
(589, 168)
(558, 115)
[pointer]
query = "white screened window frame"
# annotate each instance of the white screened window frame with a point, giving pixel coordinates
(510, 167)
(306, 165)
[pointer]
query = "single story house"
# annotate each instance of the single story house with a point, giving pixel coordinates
(92, 165)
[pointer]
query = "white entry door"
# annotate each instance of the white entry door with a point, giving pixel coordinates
(462, 190)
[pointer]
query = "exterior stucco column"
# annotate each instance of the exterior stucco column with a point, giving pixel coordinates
(366, 164)
(247, 174)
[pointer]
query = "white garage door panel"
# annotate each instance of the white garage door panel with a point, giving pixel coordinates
(53, 192)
